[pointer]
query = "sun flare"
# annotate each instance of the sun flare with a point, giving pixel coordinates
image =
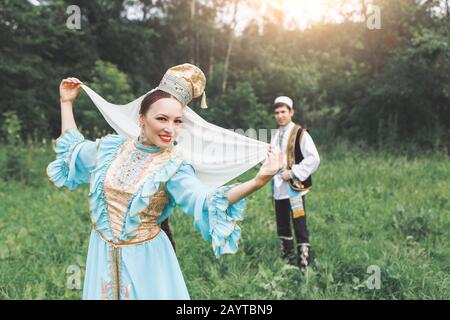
(303, 13)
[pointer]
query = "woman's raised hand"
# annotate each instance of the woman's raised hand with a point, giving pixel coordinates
(273, 164)
(69, 89)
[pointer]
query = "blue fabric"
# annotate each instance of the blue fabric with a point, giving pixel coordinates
(75, 158)
(149, 270)
(106, 152)
(293, 193)
(213, 217)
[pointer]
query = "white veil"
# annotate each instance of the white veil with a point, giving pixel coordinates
(218, 155)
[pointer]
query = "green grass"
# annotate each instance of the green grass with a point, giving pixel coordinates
(366, 209)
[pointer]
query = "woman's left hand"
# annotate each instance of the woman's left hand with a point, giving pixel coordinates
(273, 164)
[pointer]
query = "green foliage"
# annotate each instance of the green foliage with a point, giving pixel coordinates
(408, 101)
(12, 164)
(19, 160)
(11, 128)
(239, 109)
(388, 87)
(113, 86)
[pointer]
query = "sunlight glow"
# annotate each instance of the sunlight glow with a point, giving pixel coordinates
(304, 13)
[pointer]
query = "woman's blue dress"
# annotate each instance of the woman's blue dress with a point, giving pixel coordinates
(133, 189)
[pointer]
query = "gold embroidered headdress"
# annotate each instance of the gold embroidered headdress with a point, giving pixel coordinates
(185, 82)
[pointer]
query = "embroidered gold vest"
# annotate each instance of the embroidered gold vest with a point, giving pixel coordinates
(295, 156)
(126, 174)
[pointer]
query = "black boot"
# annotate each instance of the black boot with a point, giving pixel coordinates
(303, 255)
(287, 250)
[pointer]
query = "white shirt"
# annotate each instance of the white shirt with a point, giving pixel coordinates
(302, 170)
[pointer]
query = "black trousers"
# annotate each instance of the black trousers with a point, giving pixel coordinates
(284, 216)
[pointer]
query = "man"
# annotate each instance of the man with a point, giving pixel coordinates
(291, 184)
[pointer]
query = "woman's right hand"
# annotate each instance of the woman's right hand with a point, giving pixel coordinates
(69, 89)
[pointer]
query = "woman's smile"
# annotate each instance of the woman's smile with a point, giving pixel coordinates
(165, 138)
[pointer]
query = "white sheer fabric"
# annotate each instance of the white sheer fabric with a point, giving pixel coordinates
(218, 155)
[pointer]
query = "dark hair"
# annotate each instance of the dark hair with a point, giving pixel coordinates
(151, 98)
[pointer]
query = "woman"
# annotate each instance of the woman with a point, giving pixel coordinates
(135, 185)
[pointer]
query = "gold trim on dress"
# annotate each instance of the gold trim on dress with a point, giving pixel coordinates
(123, 243)
(114, 263)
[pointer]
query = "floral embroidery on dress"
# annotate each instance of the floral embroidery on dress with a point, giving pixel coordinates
(107, 291)
(130, 170)
(133, 166)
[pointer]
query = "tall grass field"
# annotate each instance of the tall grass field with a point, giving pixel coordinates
(369, 215)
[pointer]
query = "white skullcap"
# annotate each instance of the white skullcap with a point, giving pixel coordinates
(284, 100)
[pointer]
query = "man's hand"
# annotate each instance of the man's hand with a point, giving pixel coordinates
(286, 175)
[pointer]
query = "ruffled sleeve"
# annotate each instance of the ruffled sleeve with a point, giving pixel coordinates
(213, 216)
(75, 158)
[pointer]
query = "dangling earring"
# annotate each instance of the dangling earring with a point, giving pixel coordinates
(142, 138)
